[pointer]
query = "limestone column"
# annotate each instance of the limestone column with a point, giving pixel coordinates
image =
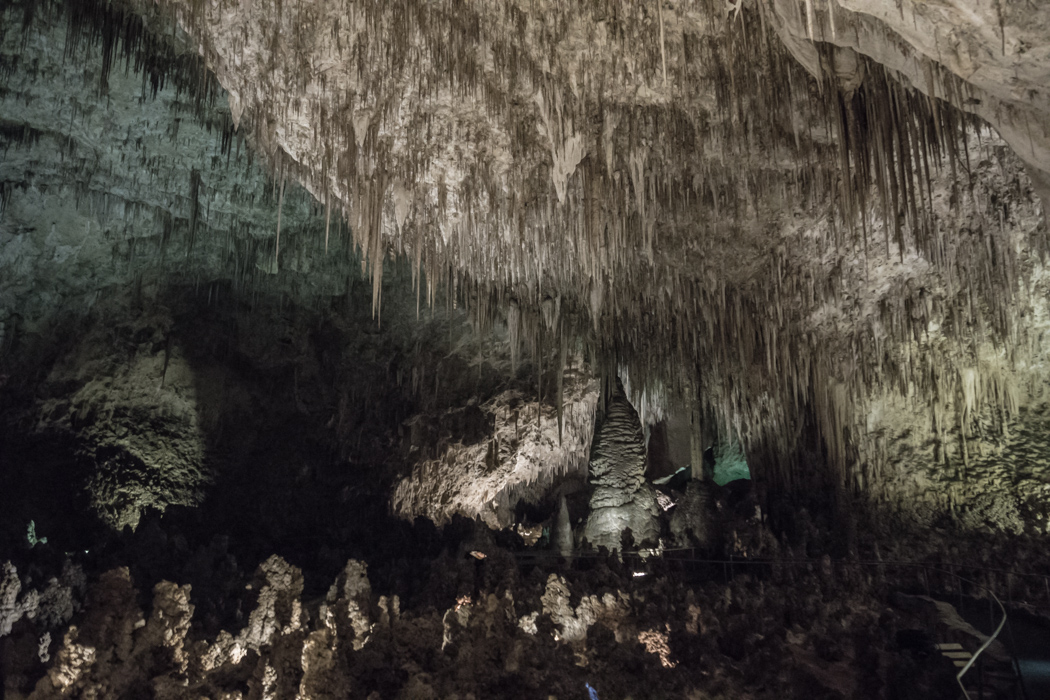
(622, 497)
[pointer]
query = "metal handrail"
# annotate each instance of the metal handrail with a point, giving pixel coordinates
(987, 642)
(982, 648)
(935, 566)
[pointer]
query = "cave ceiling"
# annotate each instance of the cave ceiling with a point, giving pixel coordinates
(760, 210)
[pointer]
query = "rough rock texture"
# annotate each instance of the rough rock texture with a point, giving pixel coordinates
(127, 396)
(12, 607)
(126, 193)
(100, 653)
(622, 497)
(859, 244)
(169, 622)
(49, 609)
(791, 628)
(121, 182)
(779, 219)
(692, 521)
(998, 50)
(573, 622)
(578, 174)
(277, 615)
(521, 449)
(350, 597)
(111, 177)
(842, 274)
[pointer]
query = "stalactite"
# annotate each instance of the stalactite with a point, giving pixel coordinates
(562, 357)
(195, 186)
(614, 209)
(277, 238)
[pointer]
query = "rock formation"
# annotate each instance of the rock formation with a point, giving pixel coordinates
(331, 291)
(871, 249)
(522, 448)
(797, 629)
(622, 499)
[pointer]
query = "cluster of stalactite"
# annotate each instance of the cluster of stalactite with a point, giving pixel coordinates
(620, 178)
(178, 203)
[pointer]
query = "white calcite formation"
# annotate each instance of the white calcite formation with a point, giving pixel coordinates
(775, 210)
(790, 218)
(50, 606)
(622, 498)
(812, 621)
(573, 621)
(528, 449)
(135, 420)
(278, 612)
(13, 606)
(986, 57)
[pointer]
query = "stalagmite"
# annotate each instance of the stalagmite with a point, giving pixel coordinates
(622, 498)
(562, 530)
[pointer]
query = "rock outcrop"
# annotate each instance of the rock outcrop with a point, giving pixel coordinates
(692, 520)
(985, 57)
(127, 397)
(519, 451)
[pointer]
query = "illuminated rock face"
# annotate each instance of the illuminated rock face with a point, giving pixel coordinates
(997, 51)
(622, 498)
(606, 630)
(819, 225)
(767, 193)
(108, 182)
(520, 454)
(690, 187)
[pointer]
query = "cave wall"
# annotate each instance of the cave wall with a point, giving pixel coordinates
(619, 201)
(548, 636)
(782, 274)
(383, 275)
(170, 305)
